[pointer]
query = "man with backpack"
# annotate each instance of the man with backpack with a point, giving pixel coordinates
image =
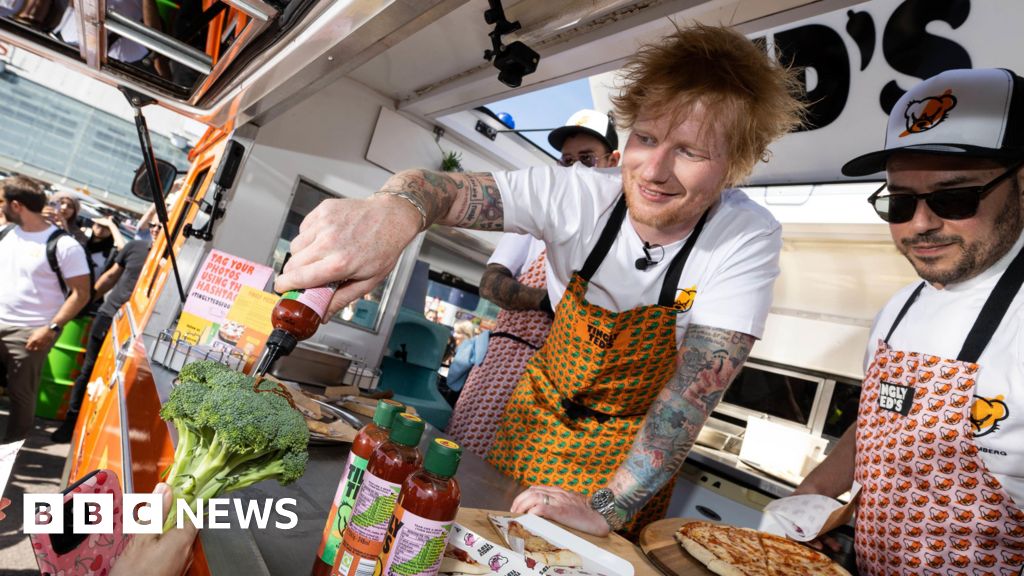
(46, 282)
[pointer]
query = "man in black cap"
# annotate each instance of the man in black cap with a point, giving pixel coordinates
(937, 445)
(515, 280)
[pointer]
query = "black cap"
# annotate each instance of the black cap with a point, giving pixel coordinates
(591, 122)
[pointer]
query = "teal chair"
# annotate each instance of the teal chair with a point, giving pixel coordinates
(409, 367)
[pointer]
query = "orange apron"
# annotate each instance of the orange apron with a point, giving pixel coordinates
(573, 416)
(928, 503)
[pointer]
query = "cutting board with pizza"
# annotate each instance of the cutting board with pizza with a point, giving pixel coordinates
(682, 547)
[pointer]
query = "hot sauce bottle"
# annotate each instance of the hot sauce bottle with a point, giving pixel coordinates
(424, 514)
(390, 464)
(296, 316)
(366, 441)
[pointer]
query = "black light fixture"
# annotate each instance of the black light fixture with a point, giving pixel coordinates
(513, 61)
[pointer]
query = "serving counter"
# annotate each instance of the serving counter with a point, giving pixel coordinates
(123, 432)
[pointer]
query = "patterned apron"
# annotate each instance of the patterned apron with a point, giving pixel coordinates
(573, 416)
(518, 335)
(928, 503)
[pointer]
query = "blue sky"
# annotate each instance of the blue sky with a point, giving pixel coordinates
(547, 108)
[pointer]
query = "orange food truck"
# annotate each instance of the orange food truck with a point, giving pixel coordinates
(313, 99)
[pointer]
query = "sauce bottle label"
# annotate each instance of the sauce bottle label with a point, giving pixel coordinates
(413, 545)
(315, 298)
(341, 509)
(365, 532)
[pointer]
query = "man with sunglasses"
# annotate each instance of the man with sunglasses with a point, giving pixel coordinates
(938, 447)
(119, 280)
(515, 280)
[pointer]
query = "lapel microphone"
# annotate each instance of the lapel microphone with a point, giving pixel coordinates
(646, 261)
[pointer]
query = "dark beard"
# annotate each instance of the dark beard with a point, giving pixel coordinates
(12, 218)
(976, 258)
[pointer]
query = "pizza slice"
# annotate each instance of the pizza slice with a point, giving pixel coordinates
(724, 550)
(536, 548)
(456, 561)
(788, 558)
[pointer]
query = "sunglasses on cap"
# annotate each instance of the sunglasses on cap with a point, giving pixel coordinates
(588, 159)
(948, 204)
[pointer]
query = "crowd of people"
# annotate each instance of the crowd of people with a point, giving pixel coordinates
(58, 266)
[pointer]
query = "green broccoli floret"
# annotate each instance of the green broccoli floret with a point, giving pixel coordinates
(202, 371)
(231, 436)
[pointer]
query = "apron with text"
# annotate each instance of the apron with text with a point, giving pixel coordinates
(489, 385)
(573, 416)
(928, 504)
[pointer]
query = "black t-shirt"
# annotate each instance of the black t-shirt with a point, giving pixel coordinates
(131, 258)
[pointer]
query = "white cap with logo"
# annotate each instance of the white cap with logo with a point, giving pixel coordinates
(972, 112)
(592, 122)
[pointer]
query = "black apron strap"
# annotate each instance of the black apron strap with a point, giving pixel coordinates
(605, 241)
(515, 338)
(994, 310)
(675, 268)
(903, 311)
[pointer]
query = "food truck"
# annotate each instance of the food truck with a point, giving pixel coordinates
(313, 99)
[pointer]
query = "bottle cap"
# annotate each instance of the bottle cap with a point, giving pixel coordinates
(284, 341)
(385, 413)
(406, 429)
(443, 457)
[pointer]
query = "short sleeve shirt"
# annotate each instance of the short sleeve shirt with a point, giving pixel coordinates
(30, 294)
(732, 267)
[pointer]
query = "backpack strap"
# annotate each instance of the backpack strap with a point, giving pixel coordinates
(51, 257)
(5, 230)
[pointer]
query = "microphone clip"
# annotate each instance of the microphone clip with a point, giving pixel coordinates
(646, 261)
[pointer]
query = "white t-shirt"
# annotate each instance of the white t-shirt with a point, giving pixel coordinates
(516, 252)
(938, 324)
(733, 264)
(30, 295)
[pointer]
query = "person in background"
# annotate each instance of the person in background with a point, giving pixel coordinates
(937, 447)
(33, 307)
(515, 280)
(103, 240)
(663, 274)
(119, 280)
(63, 211)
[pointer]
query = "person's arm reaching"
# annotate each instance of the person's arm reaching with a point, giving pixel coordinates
(107, 280)
(835, 474)
(709, 359)
(356, 243)
(499, 286)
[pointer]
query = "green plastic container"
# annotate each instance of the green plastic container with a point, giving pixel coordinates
(63, 365)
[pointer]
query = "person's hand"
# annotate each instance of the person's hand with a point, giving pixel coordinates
(41, 339)
(567, 508)
(353, 242)
(54, 217)
(168, 554)
(4, 503)
(104, 221)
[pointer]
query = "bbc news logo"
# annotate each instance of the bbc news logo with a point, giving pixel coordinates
(144, 513)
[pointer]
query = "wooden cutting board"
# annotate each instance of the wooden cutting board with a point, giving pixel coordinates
(476, 520)
(659, 543)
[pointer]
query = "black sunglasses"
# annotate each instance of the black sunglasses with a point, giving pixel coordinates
(588, 159)
(949, 204)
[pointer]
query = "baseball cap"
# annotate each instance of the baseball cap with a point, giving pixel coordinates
(592, 122)
(969, 112)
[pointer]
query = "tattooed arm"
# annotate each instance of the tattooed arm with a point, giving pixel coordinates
(708, 360)
(463, 200)
(499, 286)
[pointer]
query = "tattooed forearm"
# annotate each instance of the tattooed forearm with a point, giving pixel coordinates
(465, 200)
(708, 360)
(499, 286)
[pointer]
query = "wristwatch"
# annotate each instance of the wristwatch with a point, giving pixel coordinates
(603, 502)
(55, 328)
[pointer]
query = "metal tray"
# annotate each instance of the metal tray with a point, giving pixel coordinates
(333, 413)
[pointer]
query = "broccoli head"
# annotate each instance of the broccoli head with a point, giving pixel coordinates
(231, 434)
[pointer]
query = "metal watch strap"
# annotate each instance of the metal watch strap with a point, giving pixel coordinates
(603, 502)
(416, 203)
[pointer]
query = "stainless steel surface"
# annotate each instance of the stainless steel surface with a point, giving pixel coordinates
(308, 365)
(160, 43)
(712, 438)
(729, 466)
(335, 413)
